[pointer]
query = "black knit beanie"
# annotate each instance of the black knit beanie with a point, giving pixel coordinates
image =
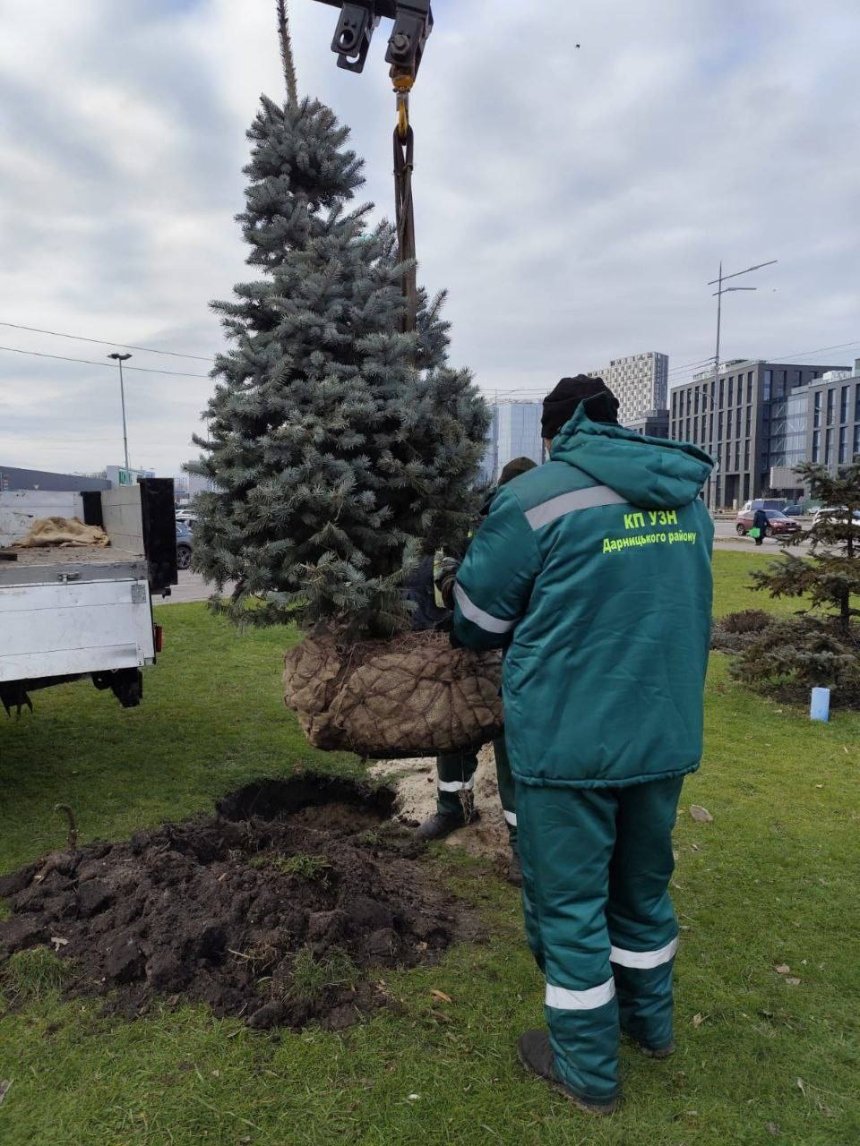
(560, 405)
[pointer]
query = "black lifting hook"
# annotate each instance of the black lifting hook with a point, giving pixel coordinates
(413, 23)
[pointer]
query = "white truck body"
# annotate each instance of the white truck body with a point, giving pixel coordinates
(67, 612)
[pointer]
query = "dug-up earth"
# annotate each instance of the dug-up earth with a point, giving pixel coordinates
(284, 907)
(415, 784)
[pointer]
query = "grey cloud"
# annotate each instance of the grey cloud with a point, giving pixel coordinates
(574, 202)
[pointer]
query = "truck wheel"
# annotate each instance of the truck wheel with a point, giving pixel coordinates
(183, 556)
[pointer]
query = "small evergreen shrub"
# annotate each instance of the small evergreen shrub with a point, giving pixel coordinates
(821, 645)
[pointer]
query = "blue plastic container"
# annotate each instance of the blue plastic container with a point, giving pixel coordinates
(819, 707)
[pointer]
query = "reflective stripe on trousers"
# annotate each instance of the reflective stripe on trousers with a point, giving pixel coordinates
(457, 785)
(643, 960)
(561, 999)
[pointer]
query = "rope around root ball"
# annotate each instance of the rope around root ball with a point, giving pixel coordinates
(411, 696)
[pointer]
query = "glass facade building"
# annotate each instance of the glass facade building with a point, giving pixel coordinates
(833, 433)
(514, 433)
(788, 419)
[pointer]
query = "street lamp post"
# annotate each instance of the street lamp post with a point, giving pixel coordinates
(718, 294)
(120, 358)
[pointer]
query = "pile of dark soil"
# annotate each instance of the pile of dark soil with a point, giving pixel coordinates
(274, 909)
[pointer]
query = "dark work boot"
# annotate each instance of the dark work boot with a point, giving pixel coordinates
(663, 1051)
(536, 1054)
(438, 826)
(515, 872)
(656, 1052)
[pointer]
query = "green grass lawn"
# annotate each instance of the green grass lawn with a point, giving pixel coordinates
(212, 718)
(772, 881)
(733, 589)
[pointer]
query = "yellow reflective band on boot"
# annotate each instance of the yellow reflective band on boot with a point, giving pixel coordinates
(562, 999)
(643, 960)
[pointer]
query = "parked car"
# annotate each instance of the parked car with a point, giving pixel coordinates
(184, 544)
(793, 510)
(835, 513)
(777, 522)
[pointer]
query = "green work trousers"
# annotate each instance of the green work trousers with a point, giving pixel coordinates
(456, 774)
(596, 866)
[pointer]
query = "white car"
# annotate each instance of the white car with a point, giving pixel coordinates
(838, 514)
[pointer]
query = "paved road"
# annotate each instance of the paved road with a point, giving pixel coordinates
(726, 537)
(191, 587)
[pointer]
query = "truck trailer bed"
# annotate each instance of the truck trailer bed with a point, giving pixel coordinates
(70, 611)
(62, 620)
(79, 563)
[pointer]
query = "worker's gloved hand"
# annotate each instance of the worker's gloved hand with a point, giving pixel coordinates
(444, 576)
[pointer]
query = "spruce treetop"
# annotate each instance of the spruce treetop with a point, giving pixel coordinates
(299, 169)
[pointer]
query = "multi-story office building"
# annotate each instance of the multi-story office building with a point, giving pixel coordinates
(654, 423)
(833, 419)
(751, 420)
(640, 382)
(514, 433)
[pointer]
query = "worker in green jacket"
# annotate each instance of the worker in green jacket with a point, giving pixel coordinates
(594, 572)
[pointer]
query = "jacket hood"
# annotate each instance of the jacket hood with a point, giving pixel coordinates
(654, 473)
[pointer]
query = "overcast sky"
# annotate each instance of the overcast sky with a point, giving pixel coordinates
(574, 201)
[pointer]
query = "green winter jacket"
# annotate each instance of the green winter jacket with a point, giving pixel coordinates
(594, 571)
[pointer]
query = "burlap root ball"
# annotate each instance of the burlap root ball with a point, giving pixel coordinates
(413, 696)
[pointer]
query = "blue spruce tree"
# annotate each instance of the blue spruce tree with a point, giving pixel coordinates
(341, 448)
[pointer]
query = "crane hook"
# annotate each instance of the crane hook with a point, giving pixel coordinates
(403, 82)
